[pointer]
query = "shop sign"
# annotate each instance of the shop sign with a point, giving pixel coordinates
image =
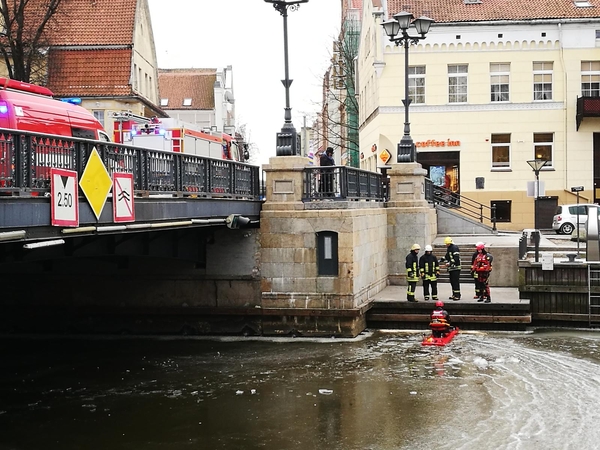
(434, 143)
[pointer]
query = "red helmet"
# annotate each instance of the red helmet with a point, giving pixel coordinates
(439, 303)
(480, 246)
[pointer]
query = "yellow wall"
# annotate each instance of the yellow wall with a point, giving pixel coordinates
(470, 125)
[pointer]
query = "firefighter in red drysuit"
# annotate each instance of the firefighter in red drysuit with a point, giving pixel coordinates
(482, 266)
(440, 320)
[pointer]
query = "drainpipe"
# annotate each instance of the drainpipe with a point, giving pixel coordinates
(566, 100)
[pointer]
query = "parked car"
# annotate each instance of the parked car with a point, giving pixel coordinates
(565, 217)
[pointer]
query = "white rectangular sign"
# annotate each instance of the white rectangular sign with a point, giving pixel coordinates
(547, 261)
(64, 196)
(123, 208)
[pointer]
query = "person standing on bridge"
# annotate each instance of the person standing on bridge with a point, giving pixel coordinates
(412, 272)
(326, 180)
(482, 266)
(452, 259)
(429, 269)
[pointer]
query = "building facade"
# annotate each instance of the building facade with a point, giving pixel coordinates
(103, 52)
(491, 89)
(202, 97)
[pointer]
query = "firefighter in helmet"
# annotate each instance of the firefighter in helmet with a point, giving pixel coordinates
(482, 266)
(412, 272)
(429, 269)
(452, 260)
(440, 320)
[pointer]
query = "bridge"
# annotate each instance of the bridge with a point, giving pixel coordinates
(160, 242)
(161, 190)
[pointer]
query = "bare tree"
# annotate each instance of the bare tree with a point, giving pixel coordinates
(339, 114)
(24, 37)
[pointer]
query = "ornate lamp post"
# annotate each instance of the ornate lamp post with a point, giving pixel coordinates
(536, 165)
(288, 141)
(397, 31)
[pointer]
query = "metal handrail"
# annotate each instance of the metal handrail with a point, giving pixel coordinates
(341, 183)
(442, 196)
(26, 160)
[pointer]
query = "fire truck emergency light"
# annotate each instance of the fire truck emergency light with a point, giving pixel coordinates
(72, 100)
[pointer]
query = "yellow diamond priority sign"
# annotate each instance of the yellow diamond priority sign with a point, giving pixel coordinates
(384, 156)
(95, 183)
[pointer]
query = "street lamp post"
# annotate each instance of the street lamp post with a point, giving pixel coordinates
(401, 23)
(536, 165)
(288, 141)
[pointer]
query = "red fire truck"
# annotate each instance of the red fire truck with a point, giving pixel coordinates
(173, 135)
(28, 107)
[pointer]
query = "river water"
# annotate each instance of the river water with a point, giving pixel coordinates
(380, 391)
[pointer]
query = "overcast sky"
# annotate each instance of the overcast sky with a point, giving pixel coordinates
(248, 35)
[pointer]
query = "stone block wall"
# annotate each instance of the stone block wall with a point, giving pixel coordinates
(289, 265)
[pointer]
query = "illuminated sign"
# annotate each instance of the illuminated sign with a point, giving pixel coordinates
(434, 143)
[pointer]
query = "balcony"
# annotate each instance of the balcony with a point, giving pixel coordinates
(587, 107)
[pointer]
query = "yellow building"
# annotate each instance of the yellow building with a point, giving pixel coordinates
(491, 88)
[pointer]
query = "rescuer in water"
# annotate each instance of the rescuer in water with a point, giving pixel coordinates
(440, 320)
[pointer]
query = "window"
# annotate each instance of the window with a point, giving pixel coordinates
(187, 102)
(499, 81)
(542, 80)
(457, 83)
(164, 102)
(501, 151)
(590, 78)
(99, 115)
(542, 147)
(503, 209)
(416, 84)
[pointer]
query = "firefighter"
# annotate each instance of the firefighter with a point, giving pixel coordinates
(412, 272)
(440, 320)
(473, 273)
(429, 269)
(452, 260)
(482, 266)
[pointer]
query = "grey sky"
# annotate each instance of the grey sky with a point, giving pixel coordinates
(248, 34)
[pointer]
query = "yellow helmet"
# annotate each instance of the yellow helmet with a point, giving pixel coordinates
(416, 247)
(448, 240)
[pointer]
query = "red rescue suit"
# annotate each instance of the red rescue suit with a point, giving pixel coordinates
(440, 322)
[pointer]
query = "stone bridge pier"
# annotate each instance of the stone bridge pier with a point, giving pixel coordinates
(323, 261)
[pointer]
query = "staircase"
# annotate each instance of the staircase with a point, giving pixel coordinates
(465, 263)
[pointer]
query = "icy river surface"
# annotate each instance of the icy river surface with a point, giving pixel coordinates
(381, 391)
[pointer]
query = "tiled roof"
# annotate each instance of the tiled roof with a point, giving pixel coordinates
(89, 73)
(445, 11)
(93, 22)
(195, 84)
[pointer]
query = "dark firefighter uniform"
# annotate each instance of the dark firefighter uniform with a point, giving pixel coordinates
(412, 272)
(429, 268)
(453, 263)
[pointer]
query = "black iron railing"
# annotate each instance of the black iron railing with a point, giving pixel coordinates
(26, 160)
(468, 207)
(342, 183)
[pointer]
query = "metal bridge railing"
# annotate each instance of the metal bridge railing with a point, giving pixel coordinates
(341, 183)
(468, 207)
(26, 160)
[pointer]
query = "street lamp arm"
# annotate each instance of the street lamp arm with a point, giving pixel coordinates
(397, 31)
(284, 6)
